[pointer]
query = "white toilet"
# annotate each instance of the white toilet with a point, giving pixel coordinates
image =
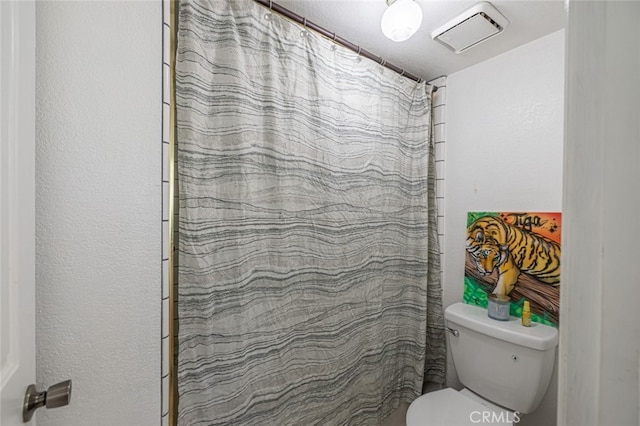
(505, 368)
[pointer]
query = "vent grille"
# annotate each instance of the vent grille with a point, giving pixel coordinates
(472, 27)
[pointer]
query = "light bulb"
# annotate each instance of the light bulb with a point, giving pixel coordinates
(401, 20)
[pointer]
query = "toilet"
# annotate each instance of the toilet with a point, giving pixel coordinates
(505, 369)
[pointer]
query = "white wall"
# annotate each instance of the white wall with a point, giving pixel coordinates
(98, 209)
(504, 152)
(599, 375)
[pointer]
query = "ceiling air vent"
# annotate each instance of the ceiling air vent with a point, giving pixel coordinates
(475, 25)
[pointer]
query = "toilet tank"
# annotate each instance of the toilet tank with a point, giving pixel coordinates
(502, 361)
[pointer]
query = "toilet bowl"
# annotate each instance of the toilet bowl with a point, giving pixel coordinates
(505, 368)
(448, 407)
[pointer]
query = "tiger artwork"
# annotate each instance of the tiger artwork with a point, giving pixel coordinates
(493, 244)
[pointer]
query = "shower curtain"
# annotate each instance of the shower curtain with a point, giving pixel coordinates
(308, 278)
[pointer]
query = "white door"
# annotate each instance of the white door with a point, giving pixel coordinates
(17, 207)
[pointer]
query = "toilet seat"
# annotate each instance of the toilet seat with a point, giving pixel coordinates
(448, 407)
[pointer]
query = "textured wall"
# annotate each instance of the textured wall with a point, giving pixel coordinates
(504, 151)
(98, 209)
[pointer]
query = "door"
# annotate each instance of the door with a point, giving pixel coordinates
(17, 207)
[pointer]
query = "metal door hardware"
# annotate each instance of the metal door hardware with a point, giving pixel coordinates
(56, 396)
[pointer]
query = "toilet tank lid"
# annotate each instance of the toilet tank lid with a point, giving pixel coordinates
(538, 336)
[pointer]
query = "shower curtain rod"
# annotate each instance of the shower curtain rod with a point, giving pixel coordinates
(341, 41)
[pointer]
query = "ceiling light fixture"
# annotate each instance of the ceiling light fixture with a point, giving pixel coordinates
(401, 20)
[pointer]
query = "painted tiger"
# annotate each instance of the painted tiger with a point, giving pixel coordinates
(493, 244)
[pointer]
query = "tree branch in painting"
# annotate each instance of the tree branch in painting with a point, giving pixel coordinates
(542, 297)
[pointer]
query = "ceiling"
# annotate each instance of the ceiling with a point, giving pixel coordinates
(359, 22)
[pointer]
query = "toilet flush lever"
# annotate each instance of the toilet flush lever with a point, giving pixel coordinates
(453, 331)
(56, 396)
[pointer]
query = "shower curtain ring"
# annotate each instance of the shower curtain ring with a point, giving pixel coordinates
(359, 48)
(270, 4)
(383, 62)
(334, 36)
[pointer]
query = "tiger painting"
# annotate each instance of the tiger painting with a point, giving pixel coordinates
(493, 244)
